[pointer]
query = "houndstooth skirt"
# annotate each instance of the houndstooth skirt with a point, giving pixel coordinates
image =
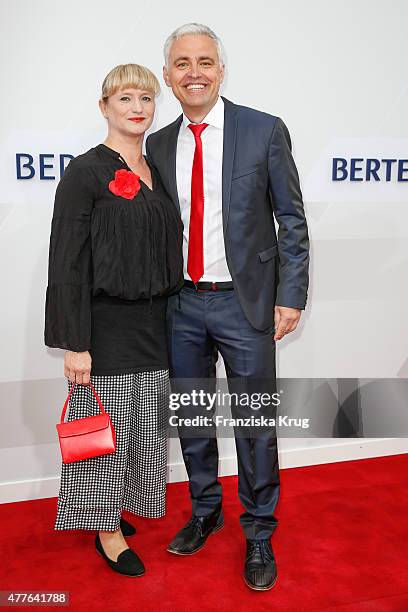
(94, 492)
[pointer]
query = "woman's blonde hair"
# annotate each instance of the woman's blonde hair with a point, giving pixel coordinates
(129, 75)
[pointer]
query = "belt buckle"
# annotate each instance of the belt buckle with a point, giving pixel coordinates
(198, 290)
(214, 287)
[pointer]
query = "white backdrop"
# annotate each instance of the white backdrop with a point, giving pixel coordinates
(336, 74)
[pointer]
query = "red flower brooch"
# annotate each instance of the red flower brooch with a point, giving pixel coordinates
(126, 184)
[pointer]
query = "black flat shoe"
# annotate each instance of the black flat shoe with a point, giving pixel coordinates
(128, 563)
(126, 528)
(194, 534)
(260, 572)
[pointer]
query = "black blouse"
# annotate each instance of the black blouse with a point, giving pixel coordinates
(104, 244)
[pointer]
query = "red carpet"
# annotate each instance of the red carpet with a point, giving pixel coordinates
(341, 545)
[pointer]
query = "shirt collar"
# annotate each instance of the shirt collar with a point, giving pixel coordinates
(103, 148)
(215, 117)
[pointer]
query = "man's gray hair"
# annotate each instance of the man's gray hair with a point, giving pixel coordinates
(193, 28)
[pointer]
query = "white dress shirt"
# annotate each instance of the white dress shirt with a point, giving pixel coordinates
(215, 263)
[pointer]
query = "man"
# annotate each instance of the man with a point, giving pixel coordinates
(230, 171)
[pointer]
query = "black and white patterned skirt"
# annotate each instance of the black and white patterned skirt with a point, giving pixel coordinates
(94, 491)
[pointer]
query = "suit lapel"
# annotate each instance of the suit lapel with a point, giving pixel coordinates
(171, 160)
(230, 136)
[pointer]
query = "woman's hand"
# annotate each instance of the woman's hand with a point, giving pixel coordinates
(77, 367)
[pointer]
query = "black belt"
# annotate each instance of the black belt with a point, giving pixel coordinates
(207, 286)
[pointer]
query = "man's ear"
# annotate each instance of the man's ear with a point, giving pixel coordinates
(166, 76)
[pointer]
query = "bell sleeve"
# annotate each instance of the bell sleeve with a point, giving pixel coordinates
(69, 290)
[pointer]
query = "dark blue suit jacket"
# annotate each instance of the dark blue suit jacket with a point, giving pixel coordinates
(259, 182)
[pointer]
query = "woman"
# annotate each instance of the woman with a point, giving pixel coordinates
(115, 256)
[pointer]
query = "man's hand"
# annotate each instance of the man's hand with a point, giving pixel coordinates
(77, 367)
(286, 320)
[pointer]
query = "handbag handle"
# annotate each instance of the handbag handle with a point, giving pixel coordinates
(64, 409)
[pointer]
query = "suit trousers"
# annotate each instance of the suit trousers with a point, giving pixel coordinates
(200, 326)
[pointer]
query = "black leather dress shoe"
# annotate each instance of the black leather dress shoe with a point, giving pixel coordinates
(127, 564)
(260, 568)
(126, 528)
(194, 535)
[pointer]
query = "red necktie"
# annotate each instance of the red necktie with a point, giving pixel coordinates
(195, 262)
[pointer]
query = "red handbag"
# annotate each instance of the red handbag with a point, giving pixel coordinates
(88, 437)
